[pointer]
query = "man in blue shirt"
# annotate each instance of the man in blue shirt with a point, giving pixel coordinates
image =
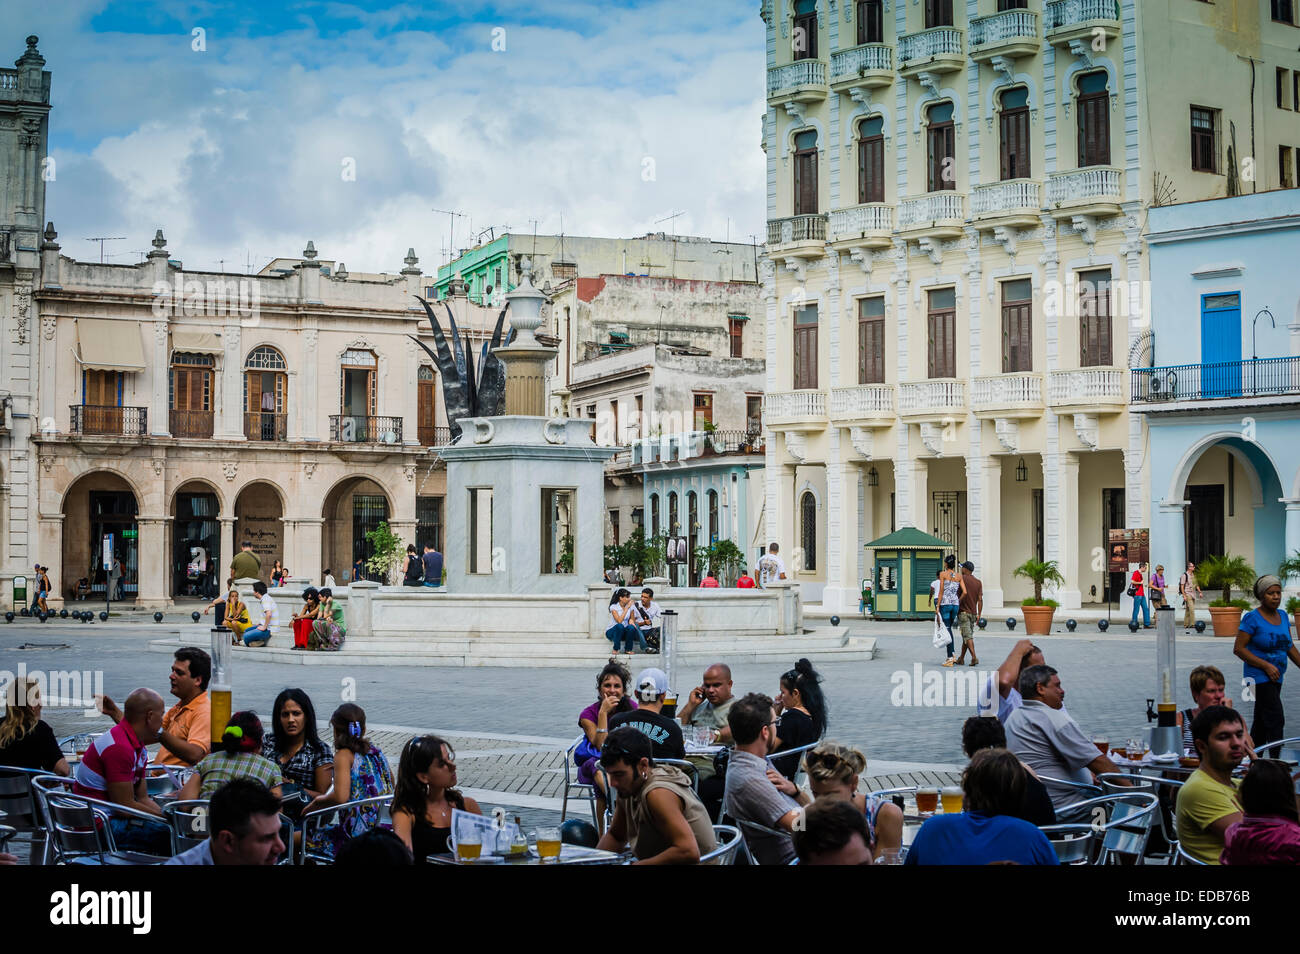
(985, 832)
(432, 566)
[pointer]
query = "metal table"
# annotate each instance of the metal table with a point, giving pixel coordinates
(569, 855)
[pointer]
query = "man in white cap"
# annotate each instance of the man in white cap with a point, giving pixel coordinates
(666, 742)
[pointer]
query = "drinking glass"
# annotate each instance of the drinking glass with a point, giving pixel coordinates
(1135, 749)
(927, 800)
(548, 843)
(469, 845)
(951, 797)
(889, 857)
(1102, 743)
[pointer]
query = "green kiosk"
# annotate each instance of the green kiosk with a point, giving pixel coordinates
(907, 562)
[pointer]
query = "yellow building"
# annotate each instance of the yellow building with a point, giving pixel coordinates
(955, 280)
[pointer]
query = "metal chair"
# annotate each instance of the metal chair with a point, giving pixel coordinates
(729, 843)
(164, 779)
(749, 829)
(797, 752)
(1073, 843)
(79, 829)
(1060, 786)
(188, 821)
(315, 822)
(1181, 857)
(1165, 790)
(22, 810)
(571, 784)
(1282, 752)
(1127, 829)
(691, 770)
(69, 743)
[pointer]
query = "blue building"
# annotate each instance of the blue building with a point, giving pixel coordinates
(1222, 399)
(706, 487)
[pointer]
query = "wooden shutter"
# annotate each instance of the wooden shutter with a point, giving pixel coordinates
(871, 350)
(1016, 341)
(938, 13)
(941, 147)
(426, 407)
(1094, 129)
(807, 23)
(805, 357)
(805, 182)
(870, 22)
(1095, 334)
(1203, 152)
(1015, 143)
(871, 169)
(942, 358)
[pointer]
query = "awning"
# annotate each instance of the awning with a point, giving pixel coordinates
(196, 342)
(106, 345)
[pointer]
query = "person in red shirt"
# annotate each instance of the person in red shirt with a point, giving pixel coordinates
(709, 580)
(746, 582)
(1140, 598)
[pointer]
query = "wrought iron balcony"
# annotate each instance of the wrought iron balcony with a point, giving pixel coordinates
(189, 423)
(265, 426)
(1009, 33)
(108, 421)
(434, 436)
(1223, 380)
(734, 442)
(363, 429)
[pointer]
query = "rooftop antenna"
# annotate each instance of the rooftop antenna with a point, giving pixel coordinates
(451, 229)
(101, 239)
(673, 217)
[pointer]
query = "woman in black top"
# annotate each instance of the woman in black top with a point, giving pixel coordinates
(25, 740)
(426, 795)
(294, 745)
(801, 715)
(413, 568)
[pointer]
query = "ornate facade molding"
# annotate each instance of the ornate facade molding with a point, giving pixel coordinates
(863, 441)
(1087, 430)
(231, 469)
(932, 438)
(796, 445)
(1007, 431)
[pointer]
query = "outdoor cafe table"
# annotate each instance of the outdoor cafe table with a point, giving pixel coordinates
(569, 855)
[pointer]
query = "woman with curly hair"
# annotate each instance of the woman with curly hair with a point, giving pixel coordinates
(611, 699)
(239, 756)
(426, 796)
(360, 771)
(327, 630)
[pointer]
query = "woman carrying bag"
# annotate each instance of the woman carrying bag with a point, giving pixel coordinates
(303, 620)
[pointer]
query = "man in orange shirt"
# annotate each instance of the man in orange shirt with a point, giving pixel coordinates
(186, 735)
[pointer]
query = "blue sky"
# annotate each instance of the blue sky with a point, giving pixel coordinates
(347, 122)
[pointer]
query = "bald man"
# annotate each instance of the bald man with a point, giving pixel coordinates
(708, 706)
(113, 770)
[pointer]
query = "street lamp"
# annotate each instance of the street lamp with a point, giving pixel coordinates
(873, 477)
(1022, 472)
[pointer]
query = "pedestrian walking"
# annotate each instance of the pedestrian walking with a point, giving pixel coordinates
(115, 579)
(951, 589)
(1190, 592)
(1137, 590)
(969, 610)
(1263, 646)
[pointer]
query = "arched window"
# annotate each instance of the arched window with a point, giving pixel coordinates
(713, 516)
(871, 160)
(808, 530)
(674, 524)
(941, 155)
(654, 515)
(190, 395)
(803, 40)
(693, 516)
(358, 383)
(266, 387)
(1014, 138)
(1093, 111)
(805, 173)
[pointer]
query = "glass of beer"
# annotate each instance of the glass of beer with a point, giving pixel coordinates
(469, 845)
(1102, 743)
(548, 843)
(952, 798)
(927, 800)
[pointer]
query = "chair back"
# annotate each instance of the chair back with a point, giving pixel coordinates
(70, 820)
(1281, 749)
(1181, 857)
(1060, 786)
(692, 772)
(313, 823)
(16, 796)
(753, 830)
(576, 788)
(188, 821)
(729, 842)
(1165, 790)
(1072, 843)
(1128, 830)
(286, 836)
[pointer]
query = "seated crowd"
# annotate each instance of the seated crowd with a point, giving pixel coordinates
(760, 763)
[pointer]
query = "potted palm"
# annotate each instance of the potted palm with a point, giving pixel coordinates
(1037, 611)
(1224, 573)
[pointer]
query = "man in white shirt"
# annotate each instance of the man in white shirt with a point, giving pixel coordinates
(646, 613)
(265, 629)
(244, 820)
(771, 567)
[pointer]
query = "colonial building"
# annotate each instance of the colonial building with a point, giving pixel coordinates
(955, 280)
(1222, 403)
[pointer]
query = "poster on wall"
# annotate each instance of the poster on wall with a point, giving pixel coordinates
(1127, 547)
(677, 550)
(108, 552)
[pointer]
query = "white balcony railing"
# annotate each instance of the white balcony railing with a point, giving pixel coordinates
(859, 219)
(798, 73)
(999, 197)
(1087, 386)
(782, 406)
(796, 228)
(1007, 390)
(939, 394)
(1001, 27)
(1092, 182)
(872, 56)
(863, 401)
(1063, 14)
(938, 41)
(932, 207)
(8, 79)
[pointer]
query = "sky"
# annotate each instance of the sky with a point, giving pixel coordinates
(245, 129)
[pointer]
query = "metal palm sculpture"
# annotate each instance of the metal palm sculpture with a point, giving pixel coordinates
(467, 391)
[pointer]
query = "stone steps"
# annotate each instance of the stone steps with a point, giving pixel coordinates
(549, 652)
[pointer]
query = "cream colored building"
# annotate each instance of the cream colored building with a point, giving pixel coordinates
(955, 281)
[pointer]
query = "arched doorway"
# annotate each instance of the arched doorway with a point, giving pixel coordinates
(100, 506)
(352, 509)
(196, 557)
(259, 520)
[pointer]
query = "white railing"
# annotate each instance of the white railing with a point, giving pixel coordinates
(872, 56)
(780, 406)
(796, 228)
(1093, 182)
(1007, 390)
(1000, 27)
(865, 400)
(1067, 13)
(998, 197)
(860, 219)
(931, 207)
(933, 42)
(1086, 385)
(8, 79)
(940, 394)
(798, 73)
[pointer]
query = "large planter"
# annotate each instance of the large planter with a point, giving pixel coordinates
(1226, 620)
(1038, 619)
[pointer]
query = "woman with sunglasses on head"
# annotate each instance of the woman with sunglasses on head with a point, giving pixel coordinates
(801, 710)
(426, 795)
(294, 745)
(833, 773)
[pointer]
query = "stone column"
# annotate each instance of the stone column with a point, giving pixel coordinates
(228, 548)
(51, 542)
(1068, 537)
(784, 530)
(841, 593)
(294, 405)
(1292, 504)
(151, 587)
(230, 413)
(309, 398)
(918, 494)
(307, 535)
(1169, 544)
(988, 564)
(867, 518)
(159, 419)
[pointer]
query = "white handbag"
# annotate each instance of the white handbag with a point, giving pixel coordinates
(940, 635)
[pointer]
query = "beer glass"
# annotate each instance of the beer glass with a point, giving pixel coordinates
(1103, 744)
(952, 798)
(469, 845)
(548, 843)
(927, 800)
